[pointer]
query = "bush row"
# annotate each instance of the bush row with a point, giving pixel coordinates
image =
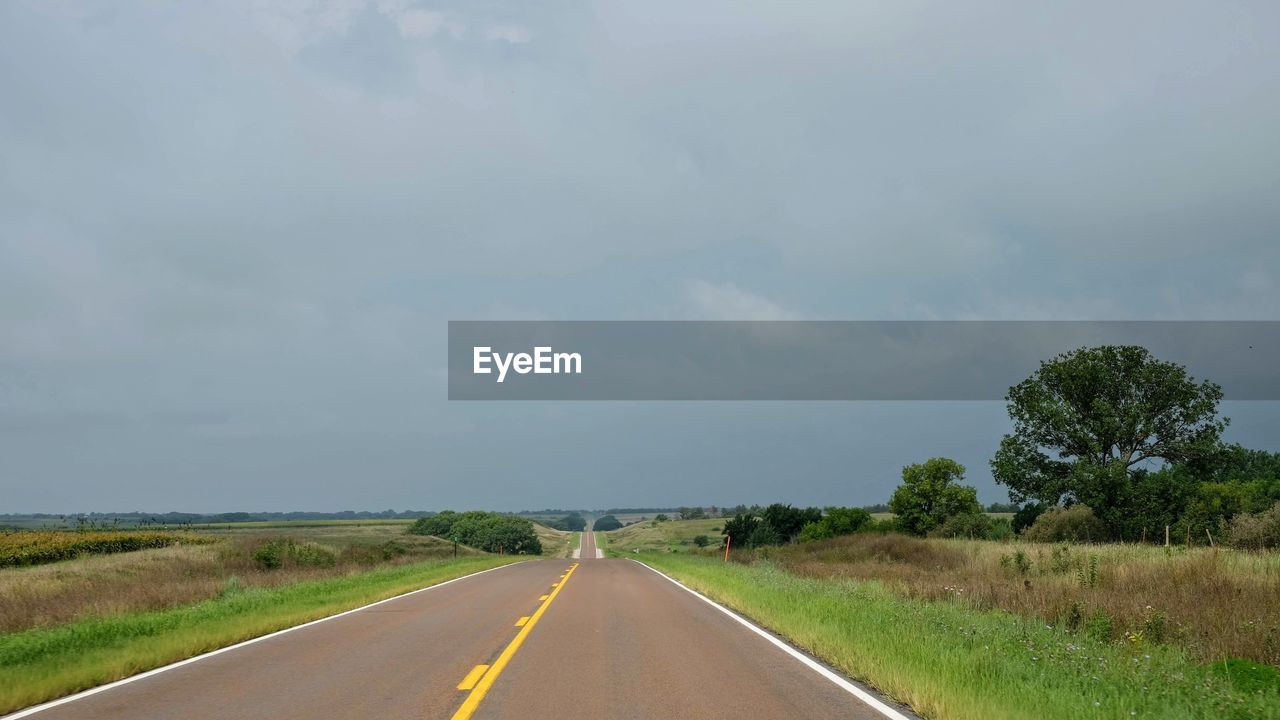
(488, 531)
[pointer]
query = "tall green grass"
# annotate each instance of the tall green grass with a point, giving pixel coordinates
(45, 663)
(951, 662)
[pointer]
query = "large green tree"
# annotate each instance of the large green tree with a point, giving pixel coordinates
(930, 493)
(1086, 421)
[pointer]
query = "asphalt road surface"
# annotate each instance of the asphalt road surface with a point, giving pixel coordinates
(592, 638)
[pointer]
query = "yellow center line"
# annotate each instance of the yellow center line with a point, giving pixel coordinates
(486, 681)
(472, 677)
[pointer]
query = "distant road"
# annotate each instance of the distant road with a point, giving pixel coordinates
(591, 639)
(587, 547)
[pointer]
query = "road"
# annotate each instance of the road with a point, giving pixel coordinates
(587, 639)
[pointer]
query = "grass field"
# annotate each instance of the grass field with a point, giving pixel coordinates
(555, 543)
(670, 536)
(1216, 603)
(44, 663)
(950, 661)
(103, 585)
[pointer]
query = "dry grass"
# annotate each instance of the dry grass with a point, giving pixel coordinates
(670, 536)
(171, 576)
(555, 543)
(1217, 603)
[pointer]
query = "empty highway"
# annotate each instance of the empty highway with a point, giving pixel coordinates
(576, 639)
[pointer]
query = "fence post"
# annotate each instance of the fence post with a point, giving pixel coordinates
(728, 540)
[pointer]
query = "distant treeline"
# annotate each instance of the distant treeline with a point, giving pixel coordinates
(99, 519)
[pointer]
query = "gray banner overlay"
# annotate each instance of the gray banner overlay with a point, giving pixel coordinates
(827, 360)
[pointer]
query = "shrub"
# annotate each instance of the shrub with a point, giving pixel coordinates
(489, 531)
(573, 522)
(1099, 626)
(1018, 562)
(280, 552)
(886, 525)
(1076, 524)
(846, 520)
(1027, 515)
(1075, 617)
(606, 523)
(701, 540)
(815, 531)
(965, 525)
(835, 521)
(1255, 531)
(1087, 574)
(437, 525)
(785, 522)
(1155, 626)
(1001, 529)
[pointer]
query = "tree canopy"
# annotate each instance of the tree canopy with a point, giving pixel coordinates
(482, 530)
(1086, 421)
(606, 523)
(930, 493)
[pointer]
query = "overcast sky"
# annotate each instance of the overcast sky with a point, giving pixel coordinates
(231, 234)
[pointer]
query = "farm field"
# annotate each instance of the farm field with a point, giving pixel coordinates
(224, 560)
(669, 536)
(18, 549)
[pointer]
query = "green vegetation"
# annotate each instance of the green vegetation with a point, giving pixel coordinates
(97, 585)
(606, 523)
(573, 522)
(488, 531)
(1085, 424)
(673, 536)
(774, 525)
(931, 493)
(948, 659)
(1256, 531)
(836, 521)
(1057, 524)
(602, 541)
(36, 547)
(555, 543)
(298, 524)
(190, 521)
(44, 663)
(279, 552)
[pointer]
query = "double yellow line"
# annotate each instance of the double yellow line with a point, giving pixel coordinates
(482, 677)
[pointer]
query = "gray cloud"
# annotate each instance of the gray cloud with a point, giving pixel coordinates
(230, 236)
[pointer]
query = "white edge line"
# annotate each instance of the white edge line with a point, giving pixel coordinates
(32, 710)
(866, 697)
